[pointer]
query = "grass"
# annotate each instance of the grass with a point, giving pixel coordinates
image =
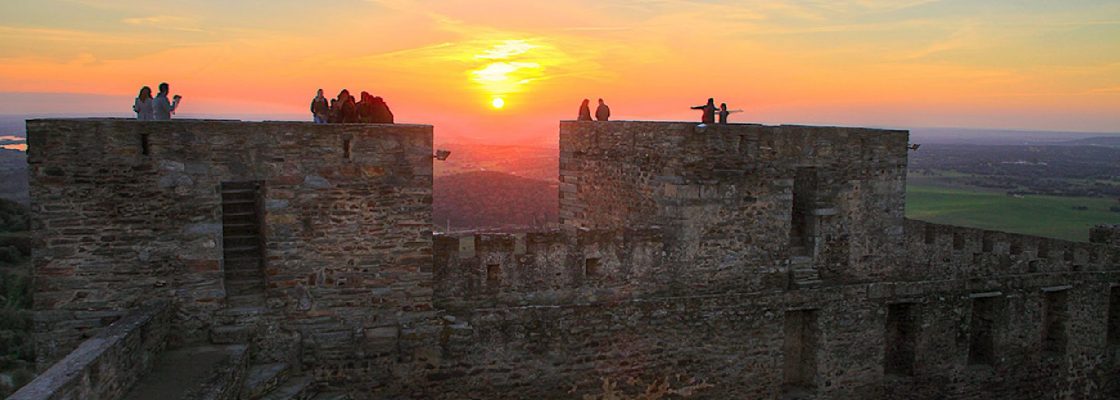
(1047, 216)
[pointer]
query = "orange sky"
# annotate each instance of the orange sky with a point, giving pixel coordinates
(1026, 64)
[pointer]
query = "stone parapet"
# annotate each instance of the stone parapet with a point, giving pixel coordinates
(106, 365)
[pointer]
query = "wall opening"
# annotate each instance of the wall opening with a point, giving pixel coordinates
(1055, 322)
(958, 241)
(493, 274)
(802, 222)
(930, 234)
(145, 146)
(243, 242)
(1043, 248)
(800, 348)
(901, 338)
(987, 243)
(346, 148)
(983, 329)
(591, 268)
(1016, 246)
(1114, 317)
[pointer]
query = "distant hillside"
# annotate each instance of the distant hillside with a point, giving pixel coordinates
(13, 176)
(1103, 141)
(487, 199)
(525, 161)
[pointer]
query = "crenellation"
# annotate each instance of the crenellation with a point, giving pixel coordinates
(742, 261)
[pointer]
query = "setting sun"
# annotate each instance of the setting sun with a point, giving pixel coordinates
(498, 102)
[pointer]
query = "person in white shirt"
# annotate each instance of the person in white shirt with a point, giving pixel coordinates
(143, 104)
(161, 107)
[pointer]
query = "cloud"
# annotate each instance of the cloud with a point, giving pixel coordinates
(167, 22)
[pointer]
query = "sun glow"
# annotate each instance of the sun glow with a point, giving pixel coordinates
(498, 103)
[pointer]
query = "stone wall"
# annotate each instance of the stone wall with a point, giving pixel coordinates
(1049, 327)
(108, 364)
(128, 211)
(672, 270)
(725, 195)
(1105, 234)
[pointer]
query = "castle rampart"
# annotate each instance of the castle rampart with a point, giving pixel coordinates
(333, 227)
(738, 261)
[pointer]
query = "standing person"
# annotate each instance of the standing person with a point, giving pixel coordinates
(320, 109)
(161, 107)
(381, 112)
(584, 111)
(349, 109)
(602, 113)
(723, 113)
(337, 105)
(143, 104)
(709, 112)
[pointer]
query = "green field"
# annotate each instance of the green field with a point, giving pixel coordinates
(1033, 215)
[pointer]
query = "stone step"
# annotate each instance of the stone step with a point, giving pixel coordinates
(232, 334)
(244, 286)
(233, 201)
(230, 314)
(800, 260)
(244, 273)
(809, 283)
(298, 388)
(180, 372)
(245, 300)
(242, 249)
(263, 378)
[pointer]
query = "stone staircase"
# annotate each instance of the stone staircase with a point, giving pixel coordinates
(273, 372)
(242, 243)
(803, 274)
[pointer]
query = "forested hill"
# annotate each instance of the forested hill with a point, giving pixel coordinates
(490, 200)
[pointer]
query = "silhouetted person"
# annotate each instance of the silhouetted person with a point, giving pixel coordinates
(365, 108)
(344, 108)
(602, 113)
(143, 104)
(584, 111)
(332, 116)
(709, 112)
(320, 109)
(350, 110)
(381, 112)
(161, 107)
(723, 113)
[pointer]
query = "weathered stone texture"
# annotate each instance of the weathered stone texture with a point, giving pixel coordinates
(108, 364)
(739, 261)
(724, 194)
(129, 211)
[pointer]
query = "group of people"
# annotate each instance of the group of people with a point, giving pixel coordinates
(709, 112)
(159, 108)
(344, 109)
(602, 113)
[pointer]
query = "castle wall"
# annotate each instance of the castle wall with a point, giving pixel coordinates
(725, 195)
(735, 345)
(672, 267)
(128, 211)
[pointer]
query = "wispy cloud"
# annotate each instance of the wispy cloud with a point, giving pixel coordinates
(165, 22)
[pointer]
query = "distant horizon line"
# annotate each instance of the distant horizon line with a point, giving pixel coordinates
(293, 117)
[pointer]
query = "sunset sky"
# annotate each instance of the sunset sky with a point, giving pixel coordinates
(1045, 65)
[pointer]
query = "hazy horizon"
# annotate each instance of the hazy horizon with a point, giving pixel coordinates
(920, 63)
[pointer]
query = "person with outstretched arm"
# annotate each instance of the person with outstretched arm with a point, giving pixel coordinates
(709, 112)
(161, 107)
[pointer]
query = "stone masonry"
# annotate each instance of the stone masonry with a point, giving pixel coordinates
(731, 261)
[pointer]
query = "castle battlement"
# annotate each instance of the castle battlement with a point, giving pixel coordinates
(742, 261)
